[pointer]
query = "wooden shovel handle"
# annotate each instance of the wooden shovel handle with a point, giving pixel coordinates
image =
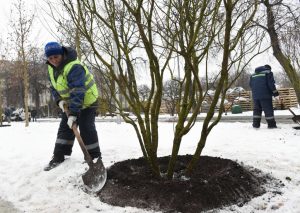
(87, 156)
(292, 112)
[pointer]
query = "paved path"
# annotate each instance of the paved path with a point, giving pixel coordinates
(7, 207)
(240, 118)
(225, 118)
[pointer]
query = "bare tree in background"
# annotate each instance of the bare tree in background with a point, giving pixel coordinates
(242, 80)
(282, 25)
(38, 79)
(171, 94)
(144, 93)
(66, 31)
(1, 95)
(1, 81)
(13, 90)
(22, 25)
(283, 80)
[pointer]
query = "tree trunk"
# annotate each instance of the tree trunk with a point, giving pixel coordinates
(277, 52)
(175, 149)
(26, 87)
(220, 86)
(1, 110)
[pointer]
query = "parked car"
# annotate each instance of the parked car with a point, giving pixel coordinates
(19, 115)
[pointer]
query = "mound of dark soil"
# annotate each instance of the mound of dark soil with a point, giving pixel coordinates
(215, 183)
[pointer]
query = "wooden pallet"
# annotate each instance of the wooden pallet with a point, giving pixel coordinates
(246, 105)
(289, 99)
(244, 94)
(244, 99)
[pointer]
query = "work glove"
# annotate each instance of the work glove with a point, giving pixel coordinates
(71, 119)
(61, 104)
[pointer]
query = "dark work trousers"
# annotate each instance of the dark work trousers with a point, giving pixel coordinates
(65, 136)
(265, 105)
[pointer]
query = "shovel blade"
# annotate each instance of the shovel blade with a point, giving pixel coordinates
(95, 177)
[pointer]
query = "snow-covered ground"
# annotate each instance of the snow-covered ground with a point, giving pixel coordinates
(25, 151)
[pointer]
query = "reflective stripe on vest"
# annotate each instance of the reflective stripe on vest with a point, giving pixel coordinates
(259, 75)
(61, 84)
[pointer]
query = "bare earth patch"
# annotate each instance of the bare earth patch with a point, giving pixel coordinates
(215, 183)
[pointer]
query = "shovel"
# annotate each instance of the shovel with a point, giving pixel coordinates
(295, 118)
(95, 177)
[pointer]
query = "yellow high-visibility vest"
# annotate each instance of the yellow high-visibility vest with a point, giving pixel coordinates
(61, 84)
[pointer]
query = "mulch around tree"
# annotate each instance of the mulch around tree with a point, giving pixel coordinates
(215, 183)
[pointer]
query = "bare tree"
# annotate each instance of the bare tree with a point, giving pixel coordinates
(282, 25)
(13, 91)
(242, 80)
(22, 26)
(203, 30)
(283, 80)
(1, 82)
(144, 92)
(37, 79)
(171, 94)
(124, 35)
(1, 95)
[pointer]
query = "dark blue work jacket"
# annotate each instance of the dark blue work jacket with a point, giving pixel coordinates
(262, 84)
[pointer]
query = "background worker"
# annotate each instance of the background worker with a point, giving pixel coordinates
(263, 88)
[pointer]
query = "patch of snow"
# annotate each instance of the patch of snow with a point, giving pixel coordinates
(25, 151)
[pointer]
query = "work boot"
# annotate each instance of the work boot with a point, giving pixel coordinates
(271, 124)
(256, 123)
(56, 160)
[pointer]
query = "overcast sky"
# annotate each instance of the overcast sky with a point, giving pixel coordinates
(40, 34)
